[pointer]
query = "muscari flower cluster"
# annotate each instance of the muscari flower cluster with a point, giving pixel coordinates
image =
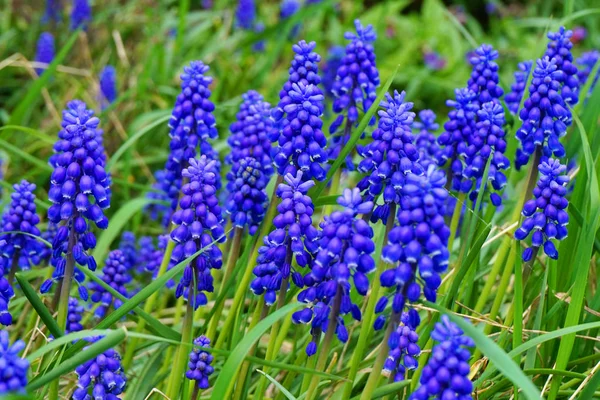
(517, 89)
(300, 140)
(545, 215)
(559, 49)
(390, 156)
(52, 12)
(484, 77)
(404, 347)
(13, 371)
(248, 198)
(287, 9)
(250, 132)
(344, 256)
(354, 88)
(116, 275)
(74, 316)
(128, 247)
(79, 191)
(102, 377)
(199, 368)
(418, 246)
(150, 256)
(334, 59)
(434, 61)
(199, 224)
(446, 375)
(44, 50)
(108, 85)
(245, 14)
(81, 14)
(425, 140)
(191, 125)
(294, 238)
(586, 64)
(6, 293)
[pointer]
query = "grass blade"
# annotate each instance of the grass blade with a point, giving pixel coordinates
(283, 390)
(39, 306)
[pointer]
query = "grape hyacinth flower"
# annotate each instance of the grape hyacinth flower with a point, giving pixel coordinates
(559, 49)
(587, 62)
(434, 60)
(245, 14)
(330, 67)
(294, 238)
(102, 377)
(6, 293)
(345, 254)
(250, 133)
(446, 375)
(354, 88)
(248, 199)
(418, 246)
(128, 247)
(79, 188)
(74, 316)
(487, 142)
(514, 97)
(191, 125)
(108, 86)
(390, 155)
(13, 374)
(404, 347)
(259, 45)
(52, 12)
(44, 51)
(116, 275)
(48, 236)
(81, 14)
(484, 77)
(545, 114)
(150, 256)
(456, 138)
(199, 368)
(579, 34)
(545, 215)
(425, 140)
(287, 9)
(199, 223)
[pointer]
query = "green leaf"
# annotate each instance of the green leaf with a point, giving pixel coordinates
(25, 156)
(278, 385)
(35, 133)
(109, 341)
(67, 339)
(590, 389)
(327, 200)
(495, 354)
(39, 306)
(387, 389)
(224, 383)
(141, 385)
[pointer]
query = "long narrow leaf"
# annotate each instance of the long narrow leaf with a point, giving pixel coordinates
(39, 306)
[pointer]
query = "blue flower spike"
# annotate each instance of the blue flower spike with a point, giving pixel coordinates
(484, 77)
(102, 377)
(517, 89)
(13, 374)
(199, 367)
(116, 274)
(44, 51)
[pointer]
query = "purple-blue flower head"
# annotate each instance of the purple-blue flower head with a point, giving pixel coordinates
(199, 366)
(52, 13)
(108, 85)
(514, 97)
(245, 14)
(404, 347)
(559, 49)
(74, 316)
(48, 236)
(81, 14)
(288, 8)
(13, 374)
(250, 132)
(79, 190)
(390, 156)
(425, 139)
(335, 55)
(150, 256)
(6, 293)
(128, 247)
(545, 115)
(434, 60)
(294, 239)
(586, 64)
(355, 87)
(446, 375)
(199, 223)
(102, 377)
(484, 77)
(248, 199)
(44, 50)
(342, 262)
(116, 274)
(545, 215)
(417, 246)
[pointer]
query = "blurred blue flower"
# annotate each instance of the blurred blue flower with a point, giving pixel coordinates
(425, 139)
(335, 55)
(108, 86)
(116, 274)
(45, 51)
(245, 14)
(513, 98)
(81, 14)
(586, 63)
(52, 13)
(559, 49)
(13, 374)
(434, 60)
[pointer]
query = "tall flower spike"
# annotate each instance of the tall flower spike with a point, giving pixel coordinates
(79, 191)
(425, 140)
(81, 14)
(418, 246)
(513, 98)
(404, 347)
(355, 87)
(150, 256)
(458, 130)
(250, 132)
(586, 63)
(116, 275)
(484, 77)
(44, 51)
(344, 257)
(245, 14)
(335, 55)
(545, 114)
(13, 374)
(545, 215)
(559, 49)
(248, 198)
(53, 11)
(390, 156)
(128, 247)
(446, 375)
(199, 368)
(108, 86)
(199, 223)
(74, 316)
(487, 142)
(294, 239)
(191, 125)
(102, 377)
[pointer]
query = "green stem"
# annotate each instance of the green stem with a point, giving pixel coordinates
(456, 219)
